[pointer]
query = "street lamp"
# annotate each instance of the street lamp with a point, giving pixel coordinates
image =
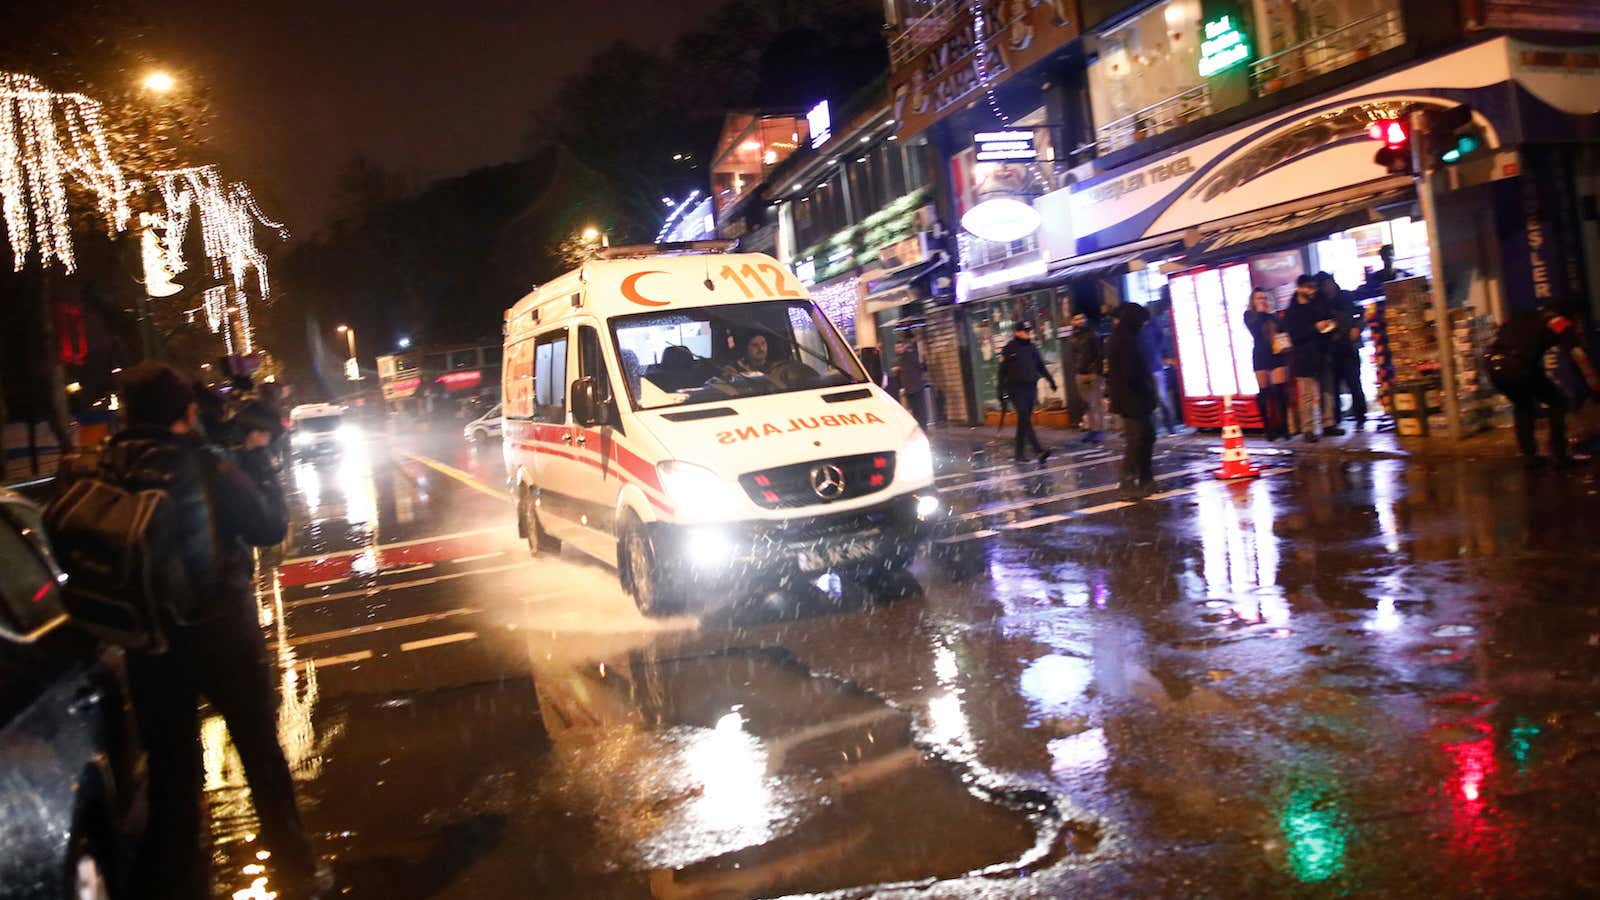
(352, 370)
(593, 234)
(160, 82)
(404, 343)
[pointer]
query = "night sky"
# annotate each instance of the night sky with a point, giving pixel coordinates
(430, 87)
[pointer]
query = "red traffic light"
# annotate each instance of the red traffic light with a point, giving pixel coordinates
(1392, 132)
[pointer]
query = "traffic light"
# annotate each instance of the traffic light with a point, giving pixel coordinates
(1395, 156)
(1452, 134)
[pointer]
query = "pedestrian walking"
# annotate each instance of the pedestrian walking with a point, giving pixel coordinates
(913, 380)
(1308, 324)
(1021, 367)
(1271, 366)
(222, 504)
(1161, 354)
(1088, 364)
(1343, 373)
(1516, 366)
(1132, 388)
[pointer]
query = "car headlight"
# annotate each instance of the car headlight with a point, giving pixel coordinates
(915, 463)
(698, 492)
(348, 433)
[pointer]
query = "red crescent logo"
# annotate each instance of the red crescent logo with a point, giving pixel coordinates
(630, 289)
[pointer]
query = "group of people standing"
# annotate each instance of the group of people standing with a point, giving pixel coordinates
(1122, 367)
(1318, 340)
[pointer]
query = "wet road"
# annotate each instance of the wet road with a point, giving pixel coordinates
(1378, 677)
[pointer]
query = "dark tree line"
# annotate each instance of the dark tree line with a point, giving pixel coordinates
(441, 262)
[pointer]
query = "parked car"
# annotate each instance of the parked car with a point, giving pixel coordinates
(72, 773)
(484, 428)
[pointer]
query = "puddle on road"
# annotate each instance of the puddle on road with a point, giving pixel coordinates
(742, 773)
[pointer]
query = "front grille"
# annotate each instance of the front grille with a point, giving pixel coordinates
(789, 486)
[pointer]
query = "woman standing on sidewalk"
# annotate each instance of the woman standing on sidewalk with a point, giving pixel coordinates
(1272, 373)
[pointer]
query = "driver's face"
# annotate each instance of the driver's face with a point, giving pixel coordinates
(756, 350)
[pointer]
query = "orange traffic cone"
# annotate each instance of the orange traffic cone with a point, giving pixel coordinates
(1235, 458)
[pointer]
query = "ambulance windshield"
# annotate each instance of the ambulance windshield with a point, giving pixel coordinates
(716, 353)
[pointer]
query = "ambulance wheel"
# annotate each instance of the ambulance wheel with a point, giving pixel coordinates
(538, 541)
(652, 591)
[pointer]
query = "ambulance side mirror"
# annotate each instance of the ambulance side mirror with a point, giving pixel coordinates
(588, 407)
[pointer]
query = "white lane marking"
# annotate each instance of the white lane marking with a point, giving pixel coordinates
(1092, 510)
(357, 551)
(1104, 507)
(478, 557)
(1003, 466)
(1035, 523)
(1030, 502)
(315, 585)
(358, 630)
(1033, 473)
(403, 585)
(323, 662)
(442, 639)
(416, 568)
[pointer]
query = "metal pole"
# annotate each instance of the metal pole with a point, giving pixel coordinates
(1441, 302)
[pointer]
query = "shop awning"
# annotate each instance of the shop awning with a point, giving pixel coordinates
(1302, 224)
(899, 287)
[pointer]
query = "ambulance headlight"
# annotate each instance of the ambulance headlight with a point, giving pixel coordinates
(698, 492)
(709, 547)
(915, 463)
(927, 506)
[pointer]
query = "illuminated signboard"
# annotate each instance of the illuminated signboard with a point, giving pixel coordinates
(820, 122)
(1005, 146)
(1224, 46)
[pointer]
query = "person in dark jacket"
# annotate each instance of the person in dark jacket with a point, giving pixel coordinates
(1343, 373)
(1516, 366)
(1308, 323)
(1267, 358)
(1161, 355)
(1133, 392)
(223, 505)
(1088, 367)
(1021, 367)
(914, 381)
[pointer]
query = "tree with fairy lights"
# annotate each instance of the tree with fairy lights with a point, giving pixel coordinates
(53, 154)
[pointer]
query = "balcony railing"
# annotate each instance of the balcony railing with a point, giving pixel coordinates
(920, 31)
(1327, 52)
(1163, 115)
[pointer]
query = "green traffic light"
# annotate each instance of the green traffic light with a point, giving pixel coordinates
(1465, 144)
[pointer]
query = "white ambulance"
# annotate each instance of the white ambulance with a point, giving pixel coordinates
(692, 418)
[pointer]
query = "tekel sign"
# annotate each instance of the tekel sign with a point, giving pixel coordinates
(1224, 46)
(1005, 146)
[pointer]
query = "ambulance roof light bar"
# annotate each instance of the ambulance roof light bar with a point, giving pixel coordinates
(640, 251)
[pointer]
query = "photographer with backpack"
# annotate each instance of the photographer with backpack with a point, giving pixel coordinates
(163, 521)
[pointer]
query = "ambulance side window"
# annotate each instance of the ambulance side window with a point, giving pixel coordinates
(518, 380)
(592, 364)
(550, 378)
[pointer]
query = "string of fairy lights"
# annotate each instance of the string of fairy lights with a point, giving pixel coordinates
(51, 141)
(46, 140)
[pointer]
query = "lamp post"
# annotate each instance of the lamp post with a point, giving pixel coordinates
(352, 369)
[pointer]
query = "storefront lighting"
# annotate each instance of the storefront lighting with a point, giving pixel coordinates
(1001, 219)
(968, 282)
(1224, 47)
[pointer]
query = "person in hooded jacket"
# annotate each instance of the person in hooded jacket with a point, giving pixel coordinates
(1516, 367)
(1308, 322)
(1132, 389)
(224, 504)
(1021, 367)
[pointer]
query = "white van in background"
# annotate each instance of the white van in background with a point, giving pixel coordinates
(318, 427)
(695, 420)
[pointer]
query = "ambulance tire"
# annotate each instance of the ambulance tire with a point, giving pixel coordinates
(539, 542)
(652, 592)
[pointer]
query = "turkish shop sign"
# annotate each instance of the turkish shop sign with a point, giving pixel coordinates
(1223, 46)
(1012, 145)
(982, 46)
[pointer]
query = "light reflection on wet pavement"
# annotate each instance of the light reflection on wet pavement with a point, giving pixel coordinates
(1347, 677)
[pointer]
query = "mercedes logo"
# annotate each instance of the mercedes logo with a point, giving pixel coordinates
(827, 480)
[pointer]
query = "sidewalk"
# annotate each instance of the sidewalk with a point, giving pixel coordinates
(1499, 443)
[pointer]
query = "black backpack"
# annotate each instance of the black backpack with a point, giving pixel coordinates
(118, 543)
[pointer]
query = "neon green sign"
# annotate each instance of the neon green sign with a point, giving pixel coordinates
(1224, 46)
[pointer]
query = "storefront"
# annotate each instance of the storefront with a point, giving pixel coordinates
(1299, 191)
